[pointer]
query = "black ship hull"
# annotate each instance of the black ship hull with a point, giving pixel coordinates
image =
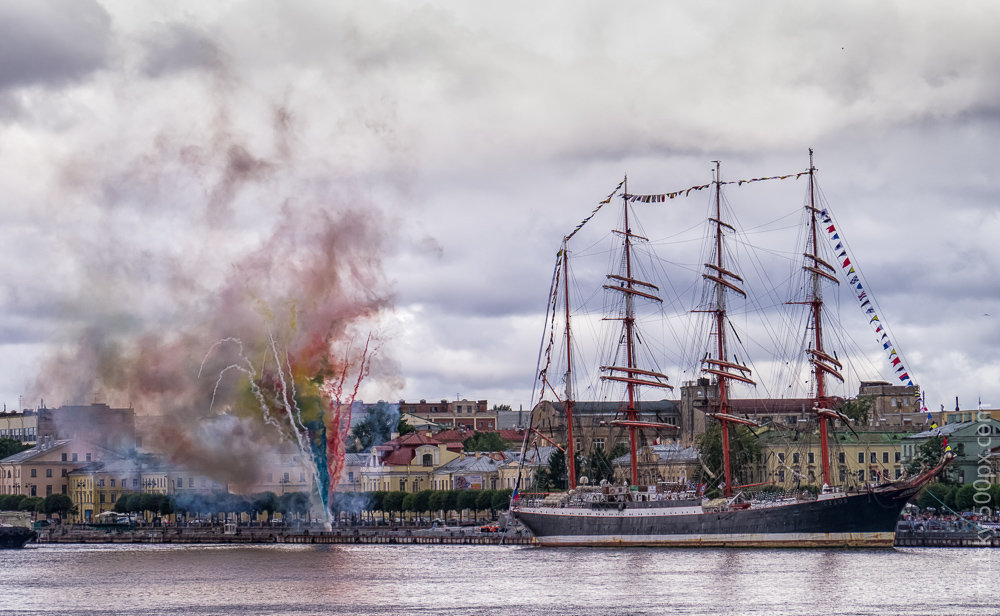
(857, 520)
(13, 537)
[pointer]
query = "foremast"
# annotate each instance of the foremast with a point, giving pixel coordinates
(823, 363)
(630, 374)
(723, 281)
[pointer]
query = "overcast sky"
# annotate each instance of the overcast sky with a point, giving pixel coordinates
(155, 155)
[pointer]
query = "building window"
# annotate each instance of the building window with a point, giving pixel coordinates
(874, 457)
(88, 457)
(48, 472)
(302, 477)
(795, 458)
(64, 457)
(842, 458)
(861, 474)
(598, 444)
(861, 457)
(811, 457)
(885, 457)
(34, 472)
(897, 456)
(284, 477)
(75, 457)
(64, 472)
(781, 457)
(190, 482)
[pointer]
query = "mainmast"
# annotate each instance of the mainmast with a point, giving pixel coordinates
(570, 453)
(630, 374)
(822, 363)
(724, 370)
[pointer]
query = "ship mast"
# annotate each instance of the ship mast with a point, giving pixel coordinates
(630, 374)
(724, 370)
(822, 363)
(570, 453)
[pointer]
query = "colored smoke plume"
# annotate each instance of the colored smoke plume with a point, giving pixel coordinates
(229, 288)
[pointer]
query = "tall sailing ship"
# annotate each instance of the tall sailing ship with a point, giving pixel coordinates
(625, 513)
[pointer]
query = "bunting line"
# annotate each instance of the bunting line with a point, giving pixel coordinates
(662, 197)
(606, 201)
(851, 275)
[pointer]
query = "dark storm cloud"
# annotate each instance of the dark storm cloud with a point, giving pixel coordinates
(179, 47)
(50, 42)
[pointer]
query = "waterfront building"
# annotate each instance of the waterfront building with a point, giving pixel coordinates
(664, 463)
(970, 441)
(536, 456)
(407, 463)
(480, 470)
(862, 457)
(44, 469)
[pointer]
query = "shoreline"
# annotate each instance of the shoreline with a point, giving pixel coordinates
(927, 539)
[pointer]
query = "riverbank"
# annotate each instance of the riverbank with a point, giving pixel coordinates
(904, 538)
(256, 536)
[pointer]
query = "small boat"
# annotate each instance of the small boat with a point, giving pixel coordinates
(13, 537)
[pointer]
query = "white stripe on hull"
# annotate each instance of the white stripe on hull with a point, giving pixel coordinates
(777, 540)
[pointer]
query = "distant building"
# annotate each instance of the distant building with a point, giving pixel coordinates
(20, 426)
(666, 463)
(474, 415)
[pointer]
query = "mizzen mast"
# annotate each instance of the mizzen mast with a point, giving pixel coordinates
(723, 280)
(632, 376)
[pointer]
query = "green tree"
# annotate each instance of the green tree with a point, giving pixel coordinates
(928, 455)
(422, 501)
(450, 501)
(484, 500)
(33, 503)
(485, 441)
(264, 502)
(744, 453)
(467, 499)
(600, 464)
(11, 502)
(393, 502)
(501, 500)
(436, 502)
(934, 496)
(404, 428)
(859, 409)
(376, 428)
(10, 446)
(558, 478)
(964, 498)
(59, 504)
(501, 407)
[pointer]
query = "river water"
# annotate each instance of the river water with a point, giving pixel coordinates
(488, 580)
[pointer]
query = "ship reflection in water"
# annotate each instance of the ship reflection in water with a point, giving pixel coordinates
(487, 580)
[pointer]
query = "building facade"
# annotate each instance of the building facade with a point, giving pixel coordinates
(473, 415)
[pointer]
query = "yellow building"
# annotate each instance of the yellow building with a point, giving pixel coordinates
(43, 469)
(793, 461)
(407, 463)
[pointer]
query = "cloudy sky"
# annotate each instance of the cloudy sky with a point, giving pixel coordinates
(164, 165)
